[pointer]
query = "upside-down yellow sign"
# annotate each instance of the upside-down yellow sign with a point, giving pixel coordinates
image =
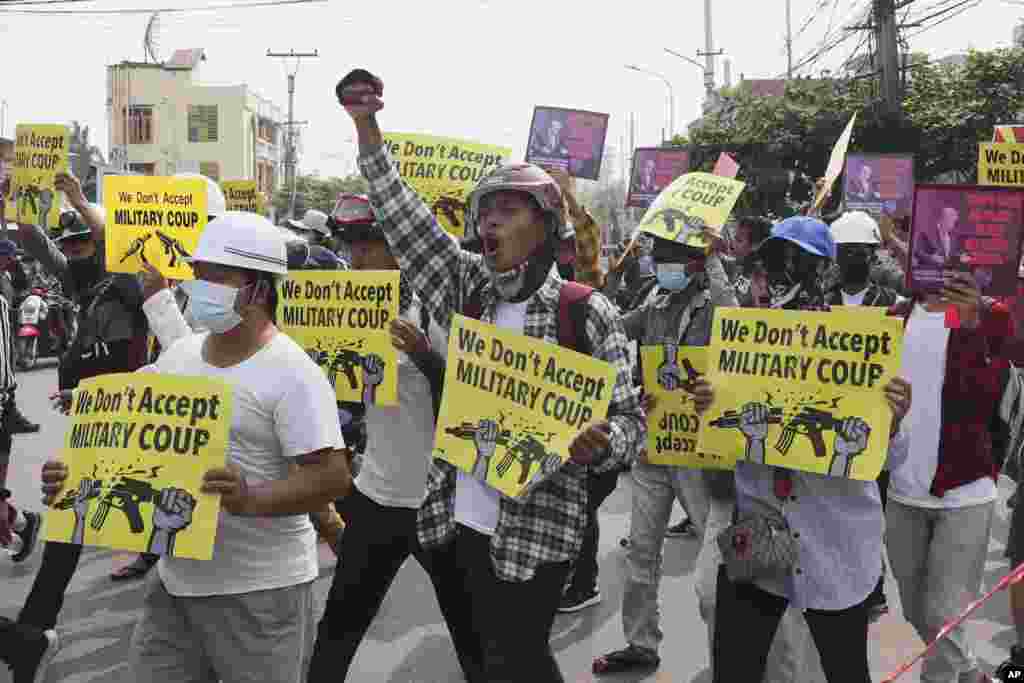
(443, 171)
(242, 195)
(673, 425)
(693, 204)
(136, 450)
(155, 220)
(40, 153)
(343, 320)
(802, 390)
(512, 405)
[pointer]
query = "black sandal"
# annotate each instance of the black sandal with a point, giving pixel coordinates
(632, 658)
(138, 568)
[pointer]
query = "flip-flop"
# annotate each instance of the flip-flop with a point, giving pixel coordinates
(632, 658)
(138, 568)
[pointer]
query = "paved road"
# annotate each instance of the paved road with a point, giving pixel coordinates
(408, 642)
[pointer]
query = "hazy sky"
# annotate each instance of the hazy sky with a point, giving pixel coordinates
(461, 68)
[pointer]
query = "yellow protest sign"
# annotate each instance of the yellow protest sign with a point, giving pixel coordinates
(153, 219)
(242, 195)
(512, 404)
(1001, 164)
(342, 319)
(802, 390)
(40, 153)
(136, 450)
(443, 171)
(692, 204)
(835, 163)
(673, 425)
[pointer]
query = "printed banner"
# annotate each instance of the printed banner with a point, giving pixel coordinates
(512, 405)
(802, 390)
(1008, 133)
(569, 139)
(835, 163)
(693, 203)
(967, 228)
(726, 166)
(654, 169)
(40, 153)
(343, 320)
(242, 195)
(673, 426)
(1001, 164)
(880, 183)
(155, 220)
(136, 450)
(443, 171)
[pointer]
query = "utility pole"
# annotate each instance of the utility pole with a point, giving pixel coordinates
(289, 163)
(887, 39)
(789, 40)
(708, 54)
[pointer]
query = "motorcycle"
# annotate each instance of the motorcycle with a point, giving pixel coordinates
(41, 331)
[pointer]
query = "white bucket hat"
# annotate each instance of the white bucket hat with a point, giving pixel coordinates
(313, 220)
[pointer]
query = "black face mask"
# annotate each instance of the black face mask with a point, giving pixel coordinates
(854, 266)
(84, 272)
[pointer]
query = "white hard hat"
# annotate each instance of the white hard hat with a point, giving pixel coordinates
(243, 240)
(215, 202)
(856, 227)
(313, 220)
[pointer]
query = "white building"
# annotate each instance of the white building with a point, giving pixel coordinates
(162, 120)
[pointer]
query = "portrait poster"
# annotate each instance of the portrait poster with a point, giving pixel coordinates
(570, 139)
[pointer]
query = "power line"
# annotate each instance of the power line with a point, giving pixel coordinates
(168, 10)
(963, 6)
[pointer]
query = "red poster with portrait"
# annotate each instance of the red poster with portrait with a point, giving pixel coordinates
(654, 169)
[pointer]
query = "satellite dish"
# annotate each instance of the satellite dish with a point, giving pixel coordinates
(151, 43)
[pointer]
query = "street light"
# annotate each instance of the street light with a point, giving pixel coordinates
(671, 97)
(691, 61)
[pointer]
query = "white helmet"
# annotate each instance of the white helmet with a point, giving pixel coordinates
(855, 227)
(215, 202)
(243, 240)
(313, 220)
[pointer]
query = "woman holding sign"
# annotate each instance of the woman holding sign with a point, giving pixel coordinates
(821, 536)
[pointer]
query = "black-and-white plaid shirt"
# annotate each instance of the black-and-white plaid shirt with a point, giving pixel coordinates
(547, 524)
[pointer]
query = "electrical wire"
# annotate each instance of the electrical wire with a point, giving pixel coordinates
(963, 6)
(150, 10)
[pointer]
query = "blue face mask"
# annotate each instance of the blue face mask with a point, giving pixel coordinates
(672, 276)
(212, 306)
(646, 264)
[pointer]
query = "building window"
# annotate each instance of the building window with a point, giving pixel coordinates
(202, 123)
(140, 124)
(265, 131)
(144, 169)
(265, 178)
(210, 169)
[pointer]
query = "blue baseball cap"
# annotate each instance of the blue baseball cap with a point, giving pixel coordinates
(810, 234)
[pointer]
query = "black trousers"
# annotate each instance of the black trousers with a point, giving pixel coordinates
(747, 617)
(599, 487)
(46, 599)
(376, 542)
(513, 619)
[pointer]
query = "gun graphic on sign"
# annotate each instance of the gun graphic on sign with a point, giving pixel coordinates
(809, 422)
(346, 361)
(72, 496)
(172, 249)
(731, 419)
(125, 496)
(527, 452)
(467, 430)
(138, 246)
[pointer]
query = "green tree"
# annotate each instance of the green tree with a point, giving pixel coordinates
(313, 192)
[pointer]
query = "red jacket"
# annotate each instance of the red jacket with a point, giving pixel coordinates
(971, 393)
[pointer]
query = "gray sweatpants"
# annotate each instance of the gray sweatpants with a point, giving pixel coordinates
(655, 487)
(938, 558)
(263, 636)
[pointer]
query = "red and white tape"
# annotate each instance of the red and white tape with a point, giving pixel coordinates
(1013, 577)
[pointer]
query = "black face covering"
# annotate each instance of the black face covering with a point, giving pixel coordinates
(84, 272)
(537, 268)
(404, 293)
(854, 266)
(794, 277)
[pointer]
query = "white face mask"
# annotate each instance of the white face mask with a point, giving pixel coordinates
(212, 306)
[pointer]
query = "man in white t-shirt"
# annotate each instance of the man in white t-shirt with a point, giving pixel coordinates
(247, 614)
(380, 515)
